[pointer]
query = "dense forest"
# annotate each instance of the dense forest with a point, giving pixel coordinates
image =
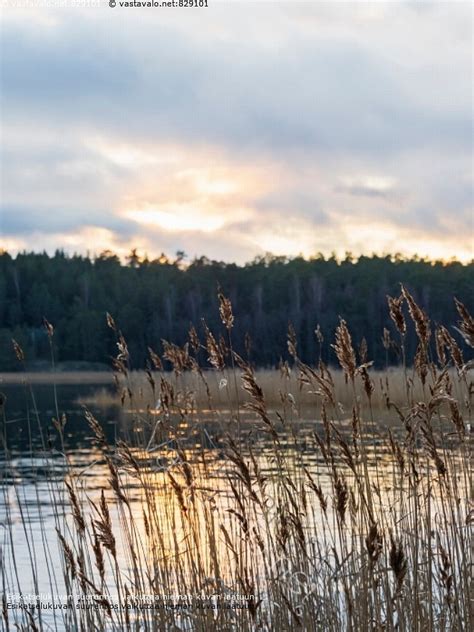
(159, 299)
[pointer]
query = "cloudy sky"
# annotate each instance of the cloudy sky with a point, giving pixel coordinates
(238, 129)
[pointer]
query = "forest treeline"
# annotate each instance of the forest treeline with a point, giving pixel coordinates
(159, 299)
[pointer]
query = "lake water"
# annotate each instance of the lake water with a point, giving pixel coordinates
(38, 465)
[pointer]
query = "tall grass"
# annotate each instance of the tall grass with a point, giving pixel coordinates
(254, 520)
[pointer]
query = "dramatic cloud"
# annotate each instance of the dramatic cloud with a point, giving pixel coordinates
(243, 128)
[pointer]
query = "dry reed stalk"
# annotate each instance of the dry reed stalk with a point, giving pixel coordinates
(216, 357)
(419, 317)
(396, 313)
(466, 324)
(344, 350)
(225, 311)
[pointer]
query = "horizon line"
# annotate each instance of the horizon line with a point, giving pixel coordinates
(267, 258)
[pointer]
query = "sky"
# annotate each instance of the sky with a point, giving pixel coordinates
(237, 130)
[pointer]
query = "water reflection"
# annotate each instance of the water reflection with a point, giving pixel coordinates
(176, 511)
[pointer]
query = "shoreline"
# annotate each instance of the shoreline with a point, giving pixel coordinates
(57, 377)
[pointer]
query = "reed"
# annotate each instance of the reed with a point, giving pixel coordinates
(227, 505)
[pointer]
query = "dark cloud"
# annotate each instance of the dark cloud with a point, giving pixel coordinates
(27, 220)
(317, 95)
(287, 202)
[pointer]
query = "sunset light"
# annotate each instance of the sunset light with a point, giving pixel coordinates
(179, 218)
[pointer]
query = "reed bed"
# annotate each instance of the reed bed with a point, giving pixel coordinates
(389, 382)
(223, 506)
